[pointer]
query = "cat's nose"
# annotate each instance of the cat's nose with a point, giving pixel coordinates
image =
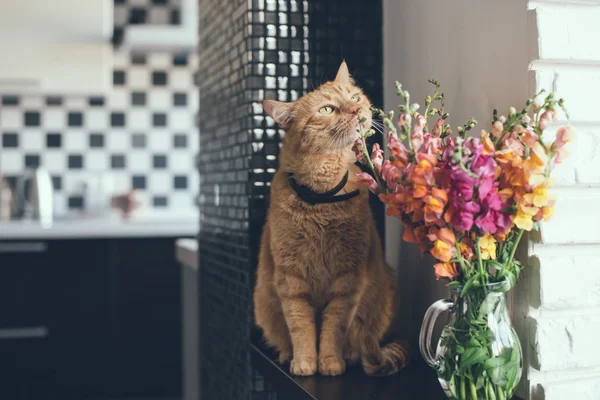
(354, 109)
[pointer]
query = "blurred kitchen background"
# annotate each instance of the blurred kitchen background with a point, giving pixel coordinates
(98, 186)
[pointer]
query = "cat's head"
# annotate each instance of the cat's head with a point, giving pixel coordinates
(325, 119)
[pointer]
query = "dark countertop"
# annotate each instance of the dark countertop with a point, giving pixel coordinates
(415, 382)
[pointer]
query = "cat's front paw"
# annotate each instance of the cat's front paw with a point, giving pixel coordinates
(303, 366)
(331, 366)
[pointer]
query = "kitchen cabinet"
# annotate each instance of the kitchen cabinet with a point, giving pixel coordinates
(58, 46)
(90, 319)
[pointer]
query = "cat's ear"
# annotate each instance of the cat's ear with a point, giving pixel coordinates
(280, 112)
(343, 76)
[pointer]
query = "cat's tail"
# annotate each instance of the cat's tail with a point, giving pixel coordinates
(386, 360)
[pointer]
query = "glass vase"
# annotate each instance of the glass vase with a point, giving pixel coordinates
(478, 355)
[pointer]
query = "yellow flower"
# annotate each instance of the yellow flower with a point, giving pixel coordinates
(488, 145)
(487, 247)
(523, 220)
(540, 196)
(442, 250)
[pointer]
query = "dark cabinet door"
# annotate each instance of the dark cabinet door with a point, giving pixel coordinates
(81, 323)
(146, 360)
(25, 326)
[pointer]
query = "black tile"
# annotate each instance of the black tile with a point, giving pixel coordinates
(180, 182)
(180, 141)
(175, 17)
(10, 140)
(32, 160)
(160, 2)
(54, 101)
(159, 78)
(138, 140)
(75, 119)
(31, 118)
(96, 101)
(138, 59)
(117, 37)
(10, 100)
(138, 98)
(117, 161)
(120, 1)
(180, 59)
(53, 140)
(159, 119)
(75, 161)
(118, 77)
(138, 16)
(76, 202)
(180, 99)
(57, 182)
(160, 201)
(159, 161)
(138, 182)
(117, 119)
(96, 140)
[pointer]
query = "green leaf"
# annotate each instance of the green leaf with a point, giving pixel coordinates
(511, 374)
(494, 362)
(472, 356)
(468, 284)
(453, 387)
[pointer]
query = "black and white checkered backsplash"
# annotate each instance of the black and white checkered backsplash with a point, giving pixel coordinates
(141, 12)
(142, 134)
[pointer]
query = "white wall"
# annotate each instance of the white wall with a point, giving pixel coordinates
(481, 51)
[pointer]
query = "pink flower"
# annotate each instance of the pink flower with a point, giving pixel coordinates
(416, 136)
(546, 118)
(404, 119)
(529, 137)
(431, 144)
(398, 150)
(561, 154)
(564, 135)
(390, 175)
(462, 220)
(497, 128)
(437, 128)
(367, 180)
(377, 157)
(462, 190)
(357, 149)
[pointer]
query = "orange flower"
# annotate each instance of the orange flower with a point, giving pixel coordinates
(419, 191)
(443, 243)
(466, 248)
(434, 205)
(445, 270)
(488, 145)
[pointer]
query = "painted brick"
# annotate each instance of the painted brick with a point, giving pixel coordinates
(566, 342)
(581, 389)
(575, 219)
(577, 86)
(582, 167)
(567, 280)
(565, 32)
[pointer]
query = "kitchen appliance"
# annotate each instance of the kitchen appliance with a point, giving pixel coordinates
(34, 197)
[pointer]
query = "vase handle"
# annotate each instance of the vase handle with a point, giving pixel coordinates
(425, 342)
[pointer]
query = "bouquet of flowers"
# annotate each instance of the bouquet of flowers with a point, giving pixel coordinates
(467, 200)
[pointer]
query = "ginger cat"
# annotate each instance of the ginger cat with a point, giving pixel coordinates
(324, 294)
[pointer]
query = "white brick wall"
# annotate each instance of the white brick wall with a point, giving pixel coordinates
(563, 296)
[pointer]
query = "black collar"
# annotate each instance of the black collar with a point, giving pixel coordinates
(312, 197)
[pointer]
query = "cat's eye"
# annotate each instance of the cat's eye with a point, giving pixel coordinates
(355, 98)
(326, 110)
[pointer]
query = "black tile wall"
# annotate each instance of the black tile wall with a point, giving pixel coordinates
(274, 50)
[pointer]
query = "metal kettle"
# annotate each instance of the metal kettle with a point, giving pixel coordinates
(34, 196)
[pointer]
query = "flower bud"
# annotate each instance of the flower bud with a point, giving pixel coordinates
(502, 119)
(511, 111)
(414, 107)
(527, 119)
(497, 128)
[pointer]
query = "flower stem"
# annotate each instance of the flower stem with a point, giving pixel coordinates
(514, 249)
(367, 155)
(480, 262)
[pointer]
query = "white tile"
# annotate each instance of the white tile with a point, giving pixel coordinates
(75, 141)
(60, 204)
(120, 16)
(122, 182)
(96, 120)
(32, 140)
(138, 78)
(32, 102)
(54, 119)
(180, 79)
(193, 100)
(75, 182)
(160, 182)
(181, 161)
(159, 140)
(55, 161)
(159, 60)
(75, 103)
(158, 16)
(11, 163)
(143, 199)
(118, 99)
(97, 160)
(193, 62)
(11, 118)
(181, 200)
(120, 58)
(138, 3)
(138, 119)
(194, 141)
(159, 99)
(116, 140)
(181, 120)
(139, 161)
